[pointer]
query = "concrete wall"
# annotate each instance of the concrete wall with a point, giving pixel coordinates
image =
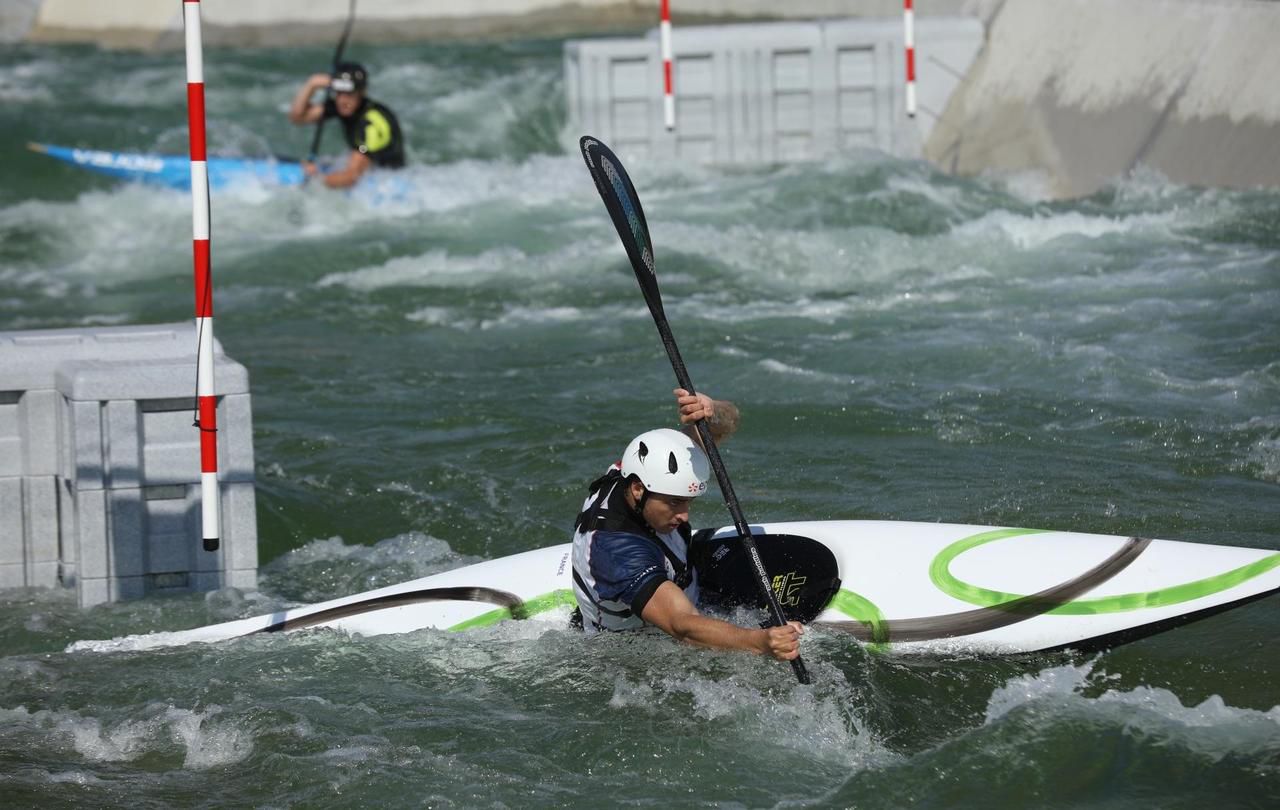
(1086, 90)
(158, 23)
(16, 18)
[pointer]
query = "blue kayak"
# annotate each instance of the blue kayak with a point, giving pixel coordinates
(174, 171)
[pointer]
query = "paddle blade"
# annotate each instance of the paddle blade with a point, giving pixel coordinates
(623, 205)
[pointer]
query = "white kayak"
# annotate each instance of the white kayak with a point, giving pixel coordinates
(898, 586)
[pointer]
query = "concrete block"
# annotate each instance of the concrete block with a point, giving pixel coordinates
(40, 512)
(11, 438)
(95, 591)
(209, 581)
(243, 578)
(44, 574)
(100, 463)
(12, 526)
(145, 378)
(68, 534)
(174, 538)
(235, 444)
(29, 359)
(12, 575)
(82, 461)
(123, 442)
(28, 532)
(1086, 92)
(169, 441)
(127, 533)
(38, 422)
(240, 530)
(173, 528)
(147, 540)
(122, 448)
(28, 432)
(239, 546)
(92, 549)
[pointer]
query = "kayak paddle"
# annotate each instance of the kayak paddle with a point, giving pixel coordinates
(337, 57)
(623, 204)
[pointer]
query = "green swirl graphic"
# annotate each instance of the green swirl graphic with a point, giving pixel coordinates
(864, 611)
(940, 573)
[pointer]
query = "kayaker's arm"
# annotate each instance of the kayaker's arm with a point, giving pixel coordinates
(672, 612)
(302, 111)
(345, 177)
(722, 415)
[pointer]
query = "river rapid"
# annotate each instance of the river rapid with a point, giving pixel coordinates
(436, 379)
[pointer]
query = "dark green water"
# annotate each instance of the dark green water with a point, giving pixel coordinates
(435, 381)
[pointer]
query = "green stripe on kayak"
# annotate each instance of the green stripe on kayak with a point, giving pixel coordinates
(864, 611)
(940, 573)
(531, 607)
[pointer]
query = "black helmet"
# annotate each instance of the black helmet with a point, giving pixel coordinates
(349, 77)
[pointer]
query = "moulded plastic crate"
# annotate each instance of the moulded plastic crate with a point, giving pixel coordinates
(28, 531)
(768, 92)
(100, 463)
(127, 423)
(29, 363)
(129, 543)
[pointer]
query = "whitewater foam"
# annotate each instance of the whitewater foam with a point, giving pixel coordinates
(1065, 687)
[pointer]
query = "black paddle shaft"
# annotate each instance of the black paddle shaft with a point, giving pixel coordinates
(337, 57)
(623, 205)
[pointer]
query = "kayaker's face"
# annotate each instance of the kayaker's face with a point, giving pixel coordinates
(665, 513)
(347, 103)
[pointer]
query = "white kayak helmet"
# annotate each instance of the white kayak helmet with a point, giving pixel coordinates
(667, 462)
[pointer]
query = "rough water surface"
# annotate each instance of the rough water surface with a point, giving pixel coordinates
(436, 378)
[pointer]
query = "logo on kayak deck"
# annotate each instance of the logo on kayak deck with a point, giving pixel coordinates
(787, 588)
(111, 160)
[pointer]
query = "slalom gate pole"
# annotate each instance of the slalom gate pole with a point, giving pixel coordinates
(668, 96)
(909, 43)
(206, 403)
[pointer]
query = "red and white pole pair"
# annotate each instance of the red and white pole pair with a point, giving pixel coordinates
(207, 403)
(909, 41)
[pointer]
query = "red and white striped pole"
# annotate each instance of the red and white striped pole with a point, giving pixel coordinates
(909, 40)
(207, 403)
(668, 97)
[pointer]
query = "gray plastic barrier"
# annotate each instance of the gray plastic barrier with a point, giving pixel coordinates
(768, 92)
(100, 464)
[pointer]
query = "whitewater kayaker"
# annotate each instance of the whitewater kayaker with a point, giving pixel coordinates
(631, 541)
(370, 128)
